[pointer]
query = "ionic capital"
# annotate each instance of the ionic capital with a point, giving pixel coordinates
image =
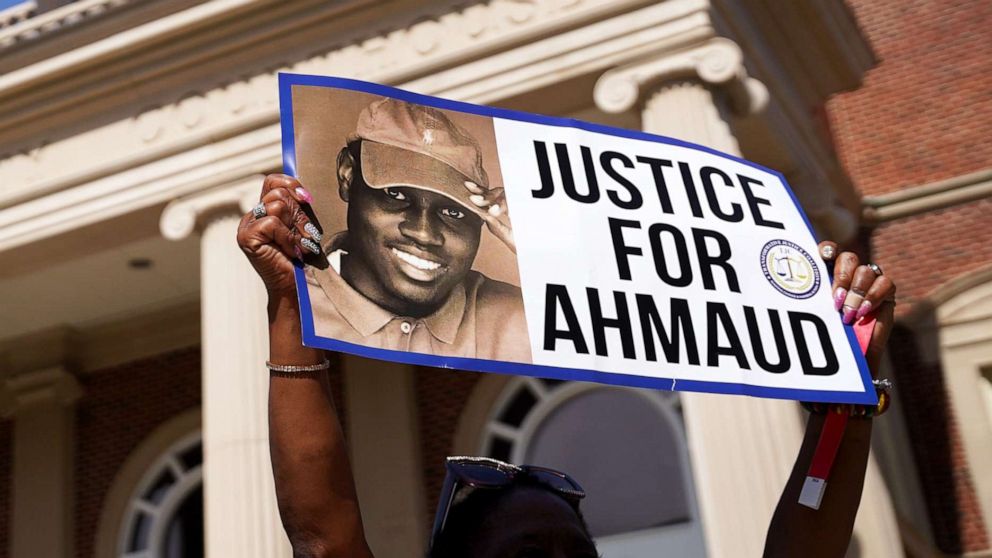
(184, 215)
(718, 61)
(50, 386)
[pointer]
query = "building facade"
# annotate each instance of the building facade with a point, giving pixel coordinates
(133, 134)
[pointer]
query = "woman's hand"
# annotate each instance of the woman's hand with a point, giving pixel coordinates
(273, 238)
(861, 290)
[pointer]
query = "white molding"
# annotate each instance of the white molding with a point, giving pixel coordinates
(932, 196)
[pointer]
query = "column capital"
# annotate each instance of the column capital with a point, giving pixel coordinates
(187, 214)
(716, 61)
(41, 387)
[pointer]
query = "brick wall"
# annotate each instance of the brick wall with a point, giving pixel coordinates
(921, 116)
(926, 251)
(924, 111)
(120, 407)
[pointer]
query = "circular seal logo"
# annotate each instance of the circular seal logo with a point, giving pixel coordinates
(790, 269)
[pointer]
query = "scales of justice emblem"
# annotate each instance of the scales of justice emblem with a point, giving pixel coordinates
(790, 269)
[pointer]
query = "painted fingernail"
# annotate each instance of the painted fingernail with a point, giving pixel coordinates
(495, 210)
(477, 199)
(310, 245)
(299, 253)
(849, 314)
(863, 310)
(839, 295)
(827, 252)
(472, 186)
(313, 231)
(304, 195)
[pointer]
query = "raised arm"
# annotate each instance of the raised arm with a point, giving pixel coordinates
(314, 483)
(796, 530)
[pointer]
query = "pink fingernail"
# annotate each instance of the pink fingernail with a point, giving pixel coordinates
(302, 192)
(849, 314)
(299, 253)
(863, 310)
(839, 295)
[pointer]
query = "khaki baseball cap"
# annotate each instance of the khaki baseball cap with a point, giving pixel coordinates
(404, 144)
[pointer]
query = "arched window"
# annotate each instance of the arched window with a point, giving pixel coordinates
(625, 446)
(164, 517)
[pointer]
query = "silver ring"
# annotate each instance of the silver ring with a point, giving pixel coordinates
(259, 211)
(875, 269)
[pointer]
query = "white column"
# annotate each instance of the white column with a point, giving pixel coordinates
(42, 404)
(742, 449)
(385, 454)
(241, 516)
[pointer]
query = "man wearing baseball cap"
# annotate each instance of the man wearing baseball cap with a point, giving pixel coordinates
(401, 276)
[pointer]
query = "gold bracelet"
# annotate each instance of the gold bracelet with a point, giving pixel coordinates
(296, 368)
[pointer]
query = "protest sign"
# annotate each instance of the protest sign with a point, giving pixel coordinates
(475, 238)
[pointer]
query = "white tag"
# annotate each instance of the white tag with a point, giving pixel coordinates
(812, 493)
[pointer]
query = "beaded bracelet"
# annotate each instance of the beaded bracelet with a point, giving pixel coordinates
(857, 411)
(297, 370)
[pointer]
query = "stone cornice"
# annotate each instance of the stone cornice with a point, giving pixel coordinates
(211, 138)
(492, 51)
(181, 217)
(42, 25)
(717, 61)
(14, 15)
(195, 117)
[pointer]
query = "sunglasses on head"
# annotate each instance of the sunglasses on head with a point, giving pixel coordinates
(486, 473)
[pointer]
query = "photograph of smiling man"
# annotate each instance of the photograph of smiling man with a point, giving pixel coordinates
(404, 195)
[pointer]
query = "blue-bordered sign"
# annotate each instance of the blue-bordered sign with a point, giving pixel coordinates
(483, 239)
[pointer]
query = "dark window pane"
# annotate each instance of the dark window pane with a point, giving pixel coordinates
(500, 449)
(184, 538)
(192, 457)
(160, 487)
(519, 406)
(139, 532)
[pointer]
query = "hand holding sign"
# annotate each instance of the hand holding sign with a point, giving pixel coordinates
(277, 231)
(877, 292)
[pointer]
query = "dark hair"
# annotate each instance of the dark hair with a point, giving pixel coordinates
(466, 516)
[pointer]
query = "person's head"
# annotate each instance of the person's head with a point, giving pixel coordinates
(413, 233)
(493, 509)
